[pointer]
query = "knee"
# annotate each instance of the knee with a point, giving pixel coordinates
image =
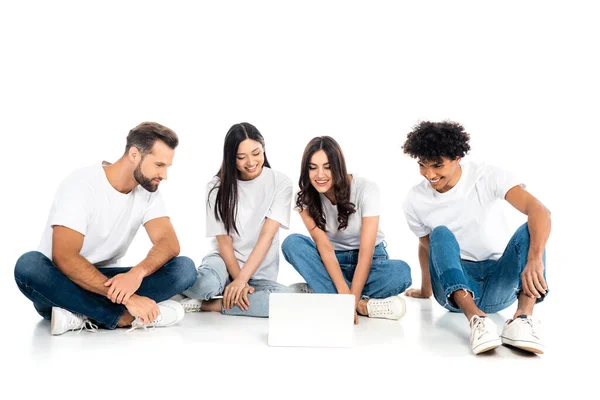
(293, 243)
(522, 235)
(185, 271)
(441, 233)
(208, 285)
(402, 276)
(28, 267)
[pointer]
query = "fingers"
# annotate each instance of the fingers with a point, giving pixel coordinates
(226, 295)
(109, 282)
(244, 302)
(121, 297)
(542, 281)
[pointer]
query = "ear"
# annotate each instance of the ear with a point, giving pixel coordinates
(457, 161)
(134, 154)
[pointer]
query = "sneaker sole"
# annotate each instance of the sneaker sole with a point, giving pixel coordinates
(487, 346)
(531, 347)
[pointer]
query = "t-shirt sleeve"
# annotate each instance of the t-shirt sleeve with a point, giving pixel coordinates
(214, 226)
(414, 223)
(281, 206)
(500, 181)
(156, 208)
(371, 202)
(73, 206)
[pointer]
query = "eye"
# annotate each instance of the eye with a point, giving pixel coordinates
(256, 154)
(240, 158)
(312, 168)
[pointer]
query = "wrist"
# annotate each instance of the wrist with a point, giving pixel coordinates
(138, 271)
(535, 255)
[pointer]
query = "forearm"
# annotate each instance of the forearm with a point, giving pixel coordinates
(160, 253)
(231, 263)
(256, 257)
(426, 289)
(361, 273)
(539, 224)
(82, 273)
(333, 268)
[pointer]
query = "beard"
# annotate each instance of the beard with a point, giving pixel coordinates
(143, 180)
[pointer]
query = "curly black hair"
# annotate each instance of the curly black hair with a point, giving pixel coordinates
(430, 141)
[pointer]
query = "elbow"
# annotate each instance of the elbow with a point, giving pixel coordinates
(59, 259)
(175, 249)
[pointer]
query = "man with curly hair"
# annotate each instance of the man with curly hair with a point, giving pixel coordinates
(468, 260)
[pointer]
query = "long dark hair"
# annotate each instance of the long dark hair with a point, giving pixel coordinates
(227, 194)
(308, 197)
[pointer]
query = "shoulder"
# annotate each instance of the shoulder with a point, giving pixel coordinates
(279, 179)
(85, 179)
(364, 185)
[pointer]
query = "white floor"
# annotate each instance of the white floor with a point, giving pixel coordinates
(210, 355)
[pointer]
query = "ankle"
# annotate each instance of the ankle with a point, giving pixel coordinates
(522, 311)
(125, 320)
(361, 307)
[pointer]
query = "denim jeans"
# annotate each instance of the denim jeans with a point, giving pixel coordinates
(43, 283)
(386, 277)
(212, 279)
(495, 284)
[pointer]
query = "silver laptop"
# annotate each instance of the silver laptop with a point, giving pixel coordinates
(311, 320)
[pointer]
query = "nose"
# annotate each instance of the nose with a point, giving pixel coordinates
(429, 174)
(163, 175)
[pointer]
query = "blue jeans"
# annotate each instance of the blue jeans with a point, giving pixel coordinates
(495, 284)
(386, 277)
(212, 279)
(43, 283)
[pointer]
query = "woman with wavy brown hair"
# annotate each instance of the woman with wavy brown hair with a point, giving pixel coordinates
(346, 251)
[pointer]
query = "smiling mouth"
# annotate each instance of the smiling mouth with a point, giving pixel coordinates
(252, 169)
(435, 181)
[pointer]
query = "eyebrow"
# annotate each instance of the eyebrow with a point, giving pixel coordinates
(243, 154)
(313, 164)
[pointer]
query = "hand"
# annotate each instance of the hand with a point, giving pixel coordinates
(232, 293)
(143, 307)
(417, 293)
(244, 302)
(123, 286)
(532, 279)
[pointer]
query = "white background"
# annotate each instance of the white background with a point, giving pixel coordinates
(522, 77)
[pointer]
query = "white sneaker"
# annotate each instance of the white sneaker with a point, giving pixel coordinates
(64, 321)
(523, 332)
(171, 312)
(301, 287)
(484, 334)
(191, 305)
(391, 308)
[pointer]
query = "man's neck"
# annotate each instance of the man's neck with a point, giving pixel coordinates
(120, 177)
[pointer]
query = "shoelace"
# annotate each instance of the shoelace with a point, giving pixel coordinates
(529, 321)
(88, 326)
(380, 307)
(137, 323)
(479, 328)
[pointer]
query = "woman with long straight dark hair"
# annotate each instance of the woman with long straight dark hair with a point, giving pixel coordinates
(246, 204)
(347, 252)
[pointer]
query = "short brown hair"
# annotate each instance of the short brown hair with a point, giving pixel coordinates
(145, 134)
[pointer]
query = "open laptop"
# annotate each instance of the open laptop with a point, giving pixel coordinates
(311, 320)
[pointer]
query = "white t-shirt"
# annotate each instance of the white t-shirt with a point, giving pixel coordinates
(267, 196)
(472, 210)
(109, 220)
(364, 194)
